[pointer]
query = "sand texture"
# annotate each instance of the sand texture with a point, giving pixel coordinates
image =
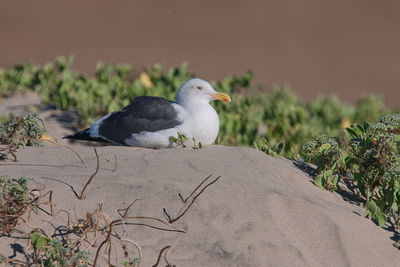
(263, 211)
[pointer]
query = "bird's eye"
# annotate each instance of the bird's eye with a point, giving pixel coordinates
(199, 87)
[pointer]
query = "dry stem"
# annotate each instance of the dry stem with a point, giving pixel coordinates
(180, 213)
(166, 248)
(91, 177)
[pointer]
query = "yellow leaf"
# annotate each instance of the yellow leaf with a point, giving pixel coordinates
(145, 80)
(33, 109)
(46, 137)
(345, 123)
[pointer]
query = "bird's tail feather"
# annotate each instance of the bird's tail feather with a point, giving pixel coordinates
(84, 135)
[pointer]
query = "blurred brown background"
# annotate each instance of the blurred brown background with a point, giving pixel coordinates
(348, 48)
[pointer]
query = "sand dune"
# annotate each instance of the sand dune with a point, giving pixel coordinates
(263, 211)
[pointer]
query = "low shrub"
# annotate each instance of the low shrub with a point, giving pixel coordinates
(49, 251)
(21, 131)
(14, 201)
(278, 116)
(369, 154)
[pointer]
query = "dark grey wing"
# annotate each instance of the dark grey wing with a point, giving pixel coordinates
(145, 113)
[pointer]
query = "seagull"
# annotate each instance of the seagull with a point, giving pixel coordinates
(155, 122)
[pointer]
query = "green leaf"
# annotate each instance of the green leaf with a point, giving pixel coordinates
(367, 126)
(352, 133)
(381, 219)
(375, 212)
(38, 240)
(327, 174)
(335, 179)
(113, 106)
(324, 147)
(360, 129)
(372, 207)
(318, 181)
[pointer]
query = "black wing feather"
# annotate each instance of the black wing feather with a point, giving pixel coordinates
(145, 113)
(84, 135)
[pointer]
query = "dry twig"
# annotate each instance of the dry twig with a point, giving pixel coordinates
(181, 213)
(166, 248)
(57, 143)
(91, 177)
(191, 194)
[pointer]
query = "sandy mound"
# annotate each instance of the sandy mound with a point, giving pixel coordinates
(261, 212)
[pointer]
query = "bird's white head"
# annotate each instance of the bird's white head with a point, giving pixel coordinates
(198, 91)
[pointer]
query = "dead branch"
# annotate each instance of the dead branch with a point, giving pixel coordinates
(101, 245)
(153, 219)
(47, 140)
(127, 209)
(138, 248)
(165, 258)
(91, 177)
(57, 143)
(70, 148)
(191, 194)
(13, 262)
(11, 133)
(33, 227)
(8, 149)
(47, 130)
(48, 202)
(166, 248)
(12, 210)
(110, 246)
(181, 213)
(51, 203)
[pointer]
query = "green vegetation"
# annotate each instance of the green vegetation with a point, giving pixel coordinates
(131, 263)
(18, 132)
(52, 252)
(64, 246)
(181, 139)
(263, 145)
(325, 153)
(343, 141)
(14, 201)
(279, 115)
(369, 154)
(21, 131)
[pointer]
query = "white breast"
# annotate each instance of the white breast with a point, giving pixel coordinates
(201, 123)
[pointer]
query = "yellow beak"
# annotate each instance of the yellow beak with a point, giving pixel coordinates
(221, 96)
